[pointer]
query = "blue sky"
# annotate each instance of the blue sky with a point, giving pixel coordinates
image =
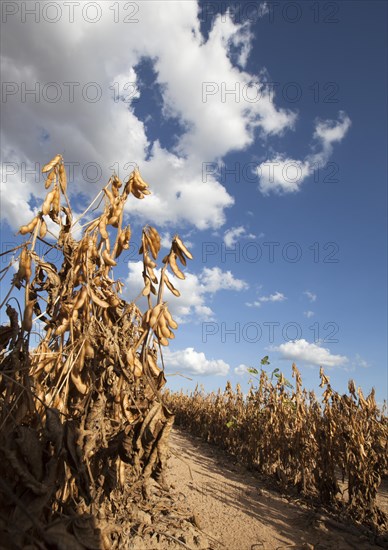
(261, 130)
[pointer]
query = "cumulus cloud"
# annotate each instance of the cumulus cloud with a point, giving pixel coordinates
(283, 174)
(193, 362)
(276, 297)
(227, 101)
(195, 290)
(361, 362)
(329, 131)
(308, 314)
(90, 117)
(310, 295)
(214, 279)
(241, 369)
(313, 354)
(176, 184)
(165, 239)
(232, 235)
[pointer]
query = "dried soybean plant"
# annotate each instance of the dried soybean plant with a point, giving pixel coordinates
(334, 449)
(83, 425)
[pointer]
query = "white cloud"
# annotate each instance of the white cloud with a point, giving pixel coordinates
(241, 41)
(328, 131)
(165, 239)
(172, 203)
(308, 314)
(195, 290)
(256, 303)
(253, 11)
(193, 362)
(276, 297)
(214, 279)
(107, 131)
(232, 235)
(241, 369)
(264, 8)
(310, 295)
(360, 362)
(283, 174)
(204, 86)
(313, 354)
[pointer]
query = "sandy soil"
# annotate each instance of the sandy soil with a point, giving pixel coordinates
(237, 512)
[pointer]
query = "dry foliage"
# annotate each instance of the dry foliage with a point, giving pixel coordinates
(305, 443)
(83, 426)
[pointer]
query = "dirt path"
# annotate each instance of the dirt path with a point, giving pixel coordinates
(232, 507)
